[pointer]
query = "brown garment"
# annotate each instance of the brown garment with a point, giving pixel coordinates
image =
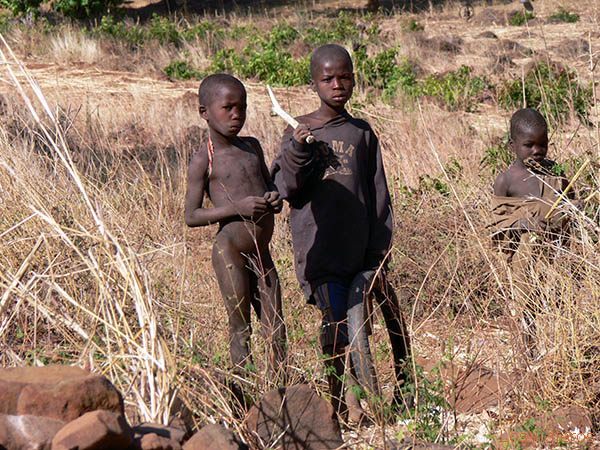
(521, 230)
(513, 217)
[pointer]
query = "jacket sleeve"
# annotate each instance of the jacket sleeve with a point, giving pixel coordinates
(292, 167)
(380, 207)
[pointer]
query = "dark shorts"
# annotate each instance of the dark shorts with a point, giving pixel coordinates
(332, 299)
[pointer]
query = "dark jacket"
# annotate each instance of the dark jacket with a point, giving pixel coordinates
(341, 216)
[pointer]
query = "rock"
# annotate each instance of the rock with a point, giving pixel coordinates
(571, 418)
(60, 392)
(96, 430)
(487, 35)
(297, 414)
(153, 441)
(172, 433)
(27, 432)
(214, 437)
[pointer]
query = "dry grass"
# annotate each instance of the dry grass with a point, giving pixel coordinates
(98, 268)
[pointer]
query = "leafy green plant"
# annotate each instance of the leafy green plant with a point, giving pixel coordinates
(117, 29)
(84, 9)
(498, 156)
(412, 25)
(21, 7)
(563, 15)
(266, 59)
(457, 89)
(520, 18)
(181, 70)
(552, 89)
(342, 30)
(164, 30)
(384, 72)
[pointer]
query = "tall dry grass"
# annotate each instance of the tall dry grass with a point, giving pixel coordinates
(98, 269)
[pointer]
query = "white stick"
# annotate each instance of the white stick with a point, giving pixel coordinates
(277, 109)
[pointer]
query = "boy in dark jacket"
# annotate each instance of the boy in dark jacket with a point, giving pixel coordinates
(341, 217)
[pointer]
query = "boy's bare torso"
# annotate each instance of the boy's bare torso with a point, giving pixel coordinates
(236, 174)
(519, 181)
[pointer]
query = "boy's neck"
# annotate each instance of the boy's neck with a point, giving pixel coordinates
(219, 140)
(326, 112)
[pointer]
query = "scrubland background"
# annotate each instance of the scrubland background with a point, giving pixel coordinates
(97, 267)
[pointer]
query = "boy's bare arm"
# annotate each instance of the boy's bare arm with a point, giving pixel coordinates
(272, 195)
(501, 185)
(197, 216)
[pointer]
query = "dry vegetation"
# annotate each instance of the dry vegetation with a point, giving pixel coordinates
(97, 267)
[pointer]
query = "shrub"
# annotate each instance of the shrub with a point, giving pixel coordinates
(182, 70)
(117, 29)
(266, 59)
(164, 30)
(383, 72)
(520, 18)
(21, 7)
(498, 156)
(552, 89)
(562, 15)
(456, 89)
(84, 9)
(343, 29)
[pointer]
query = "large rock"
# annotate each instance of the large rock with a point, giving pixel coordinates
(60, 392)
(296, 418)
(214, 437)
(96, 430)
(27, 432)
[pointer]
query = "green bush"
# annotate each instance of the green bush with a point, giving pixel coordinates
(383, 72)
(182, 70)
(266, 59)
(552, 89)
(520, 18)
(344, 29)
(84, 9)
(498, 156)
(562, 15)
(457, 89)
(21, 7)
(117, 29)
(164, 30)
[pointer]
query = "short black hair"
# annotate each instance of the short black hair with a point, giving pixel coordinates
(328, 52)
(211, 83)
(526, 118)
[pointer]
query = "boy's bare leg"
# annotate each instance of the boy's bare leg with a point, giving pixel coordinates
(271, 317)
(233, 277)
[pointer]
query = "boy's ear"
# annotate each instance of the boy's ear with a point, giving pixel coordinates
(202, 111)
(353, 80)
(312, 85)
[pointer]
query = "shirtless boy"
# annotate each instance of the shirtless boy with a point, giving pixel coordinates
(341, 217)
(522, 216)
(232, 171)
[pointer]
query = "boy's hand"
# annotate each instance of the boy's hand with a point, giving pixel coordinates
(301, 132)
(274, 201)
(251, 206)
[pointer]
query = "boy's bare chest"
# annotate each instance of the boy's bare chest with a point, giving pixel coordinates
(239, 167)
(524, 184)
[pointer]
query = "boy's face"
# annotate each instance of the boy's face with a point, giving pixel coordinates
(334, 82)
(226, 112)
(530, 142)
